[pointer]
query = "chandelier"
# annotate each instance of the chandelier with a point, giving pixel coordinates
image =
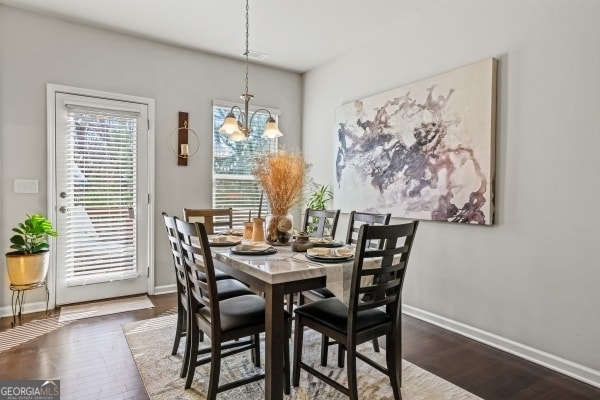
(238, 128)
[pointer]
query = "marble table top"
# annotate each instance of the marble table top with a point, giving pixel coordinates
(286, 265)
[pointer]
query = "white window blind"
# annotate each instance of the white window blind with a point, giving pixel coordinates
(233, 183)
(101, 169)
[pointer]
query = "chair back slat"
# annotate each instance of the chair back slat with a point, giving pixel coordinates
(178, 263)
(214, 219)
(199, 263)
(378, 274)
(320, 223)
(357, 219)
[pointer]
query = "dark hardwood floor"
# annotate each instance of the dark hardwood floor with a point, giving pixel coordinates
(92, 360)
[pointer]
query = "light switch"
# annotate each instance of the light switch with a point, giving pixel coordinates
(25, 185)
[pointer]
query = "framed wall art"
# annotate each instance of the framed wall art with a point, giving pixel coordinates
(421, 151)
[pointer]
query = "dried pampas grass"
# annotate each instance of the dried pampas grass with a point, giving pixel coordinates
(282, 177)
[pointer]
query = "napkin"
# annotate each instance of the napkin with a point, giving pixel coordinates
(224, 239)
(320, 240)
(319, 251)
(254, 246)
(344, 252)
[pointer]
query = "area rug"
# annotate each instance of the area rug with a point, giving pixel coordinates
(106, 307)
(150, 342)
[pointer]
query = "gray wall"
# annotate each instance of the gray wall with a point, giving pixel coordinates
(530, 283)
(35, 50)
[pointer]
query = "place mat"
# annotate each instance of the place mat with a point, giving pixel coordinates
(150, 342)
(99, 308)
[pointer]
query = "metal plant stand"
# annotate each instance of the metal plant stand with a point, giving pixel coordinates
(18, 296)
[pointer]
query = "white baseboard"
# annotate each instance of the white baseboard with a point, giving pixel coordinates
(566, 367)
(165, 289)
(28, 308)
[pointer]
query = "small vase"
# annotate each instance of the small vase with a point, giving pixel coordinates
(302, 242)
(279, 228)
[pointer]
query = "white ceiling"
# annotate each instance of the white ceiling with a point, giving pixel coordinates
(297, 35)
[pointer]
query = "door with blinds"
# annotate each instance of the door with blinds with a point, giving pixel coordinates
(102, 198)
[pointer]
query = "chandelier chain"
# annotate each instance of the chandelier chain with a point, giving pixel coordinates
(238, 128)
(247, 51)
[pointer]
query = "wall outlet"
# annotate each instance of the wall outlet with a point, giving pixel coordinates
(25, 186)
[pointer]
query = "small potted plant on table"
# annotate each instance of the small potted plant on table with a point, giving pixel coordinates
(28, 264)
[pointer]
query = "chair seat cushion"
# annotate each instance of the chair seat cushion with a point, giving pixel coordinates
(218, 273)
(240, 312)
(321, 293)
(228, 288)
(221, 275)
(334, 314)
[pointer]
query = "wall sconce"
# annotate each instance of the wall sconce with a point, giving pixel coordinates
(182, 147)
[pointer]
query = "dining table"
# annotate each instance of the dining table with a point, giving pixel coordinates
(276, 275)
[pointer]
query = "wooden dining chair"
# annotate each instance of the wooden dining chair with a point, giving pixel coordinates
(215, 220)
(317, 223)
(226, 321)
(320, 223)
(226, 286)
(182, 300)
(356, 220)
(374, 309)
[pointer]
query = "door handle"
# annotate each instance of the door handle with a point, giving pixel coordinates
(63, 195)
(63, 209)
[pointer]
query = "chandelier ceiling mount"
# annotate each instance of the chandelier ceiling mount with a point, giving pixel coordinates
(238, 128)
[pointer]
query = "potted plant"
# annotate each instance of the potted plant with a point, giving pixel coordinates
(28, 264)
(317, 200)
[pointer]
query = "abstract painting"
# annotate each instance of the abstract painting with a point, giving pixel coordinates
(422, 151)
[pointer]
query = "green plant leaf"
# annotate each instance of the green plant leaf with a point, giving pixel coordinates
(32, 235)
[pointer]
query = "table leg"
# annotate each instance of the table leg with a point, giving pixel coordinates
(274, 337)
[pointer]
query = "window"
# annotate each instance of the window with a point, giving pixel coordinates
(233, 183)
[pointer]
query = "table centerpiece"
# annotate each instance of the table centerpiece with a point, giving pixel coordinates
(281, 176)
